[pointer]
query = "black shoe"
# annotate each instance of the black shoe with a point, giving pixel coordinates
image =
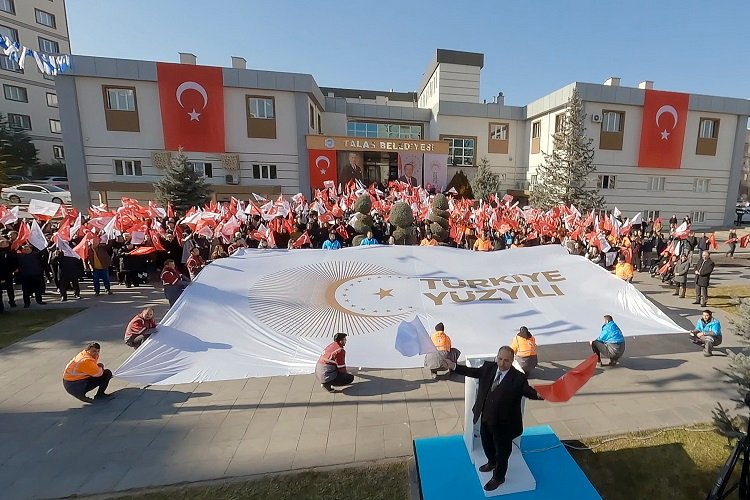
(103, 397)
(26, 306)
(63, 299)
(13, 304)
(328, 387)
(493, 484)
(696, 303)
(96, 293)
(109, 292)
(488, 467)
(41, 302)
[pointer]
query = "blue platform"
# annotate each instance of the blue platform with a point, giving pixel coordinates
(446, 472)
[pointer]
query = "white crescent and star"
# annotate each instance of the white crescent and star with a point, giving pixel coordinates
(185, 86)
(323, 168)
(669, 109)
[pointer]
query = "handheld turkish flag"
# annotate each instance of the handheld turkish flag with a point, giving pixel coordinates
(744, 241)
(192, 107)
(566, 386)
(663, 129)
(322, 168)
(22, 238)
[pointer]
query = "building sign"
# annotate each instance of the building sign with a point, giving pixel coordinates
(373, 144)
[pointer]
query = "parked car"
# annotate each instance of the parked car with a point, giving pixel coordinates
(55, 181)
(23, 193)
(16, 179)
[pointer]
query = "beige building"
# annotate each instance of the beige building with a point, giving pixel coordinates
(29, 99)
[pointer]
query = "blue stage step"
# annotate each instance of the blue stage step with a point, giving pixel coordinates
(446, 472)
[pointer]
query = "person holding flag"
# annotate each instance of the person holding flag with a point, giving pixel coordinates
(31, 273)
(8, 266)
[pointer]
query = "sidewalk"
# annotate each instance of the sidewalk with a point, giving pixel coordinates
(55, 447)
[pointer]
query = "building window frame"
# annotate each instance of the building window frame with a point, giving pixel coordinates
(52, 103)
(19, 121)
(120, 120)
(8, 6)
(465, 160)
(46, 45)
(698, 216)
(702, 185)
(606, 181)
(498, 138)
(122, 96)
(15, 93)
(384, 130)
(708, 136)
(612, 130)
(656, 183)
(264, 112)
(536, 135)
(45, 18)
(265, 171)
(651, 214)
(55, 126)
(203, 168)
(58, 152)
(128, 168)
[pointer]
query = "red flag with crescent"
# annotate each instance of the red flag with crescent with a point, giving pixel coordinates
(322, 168)
(566, 386)
(192, 107)
(663, 130)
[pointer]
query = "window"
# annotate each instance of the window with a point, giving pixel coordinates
(698, 216)
(651, 214)
(461, 151)
(55, 127)
(611, 134)
(320, 126)
(536, 133)
(58, 152)
(121, 99)
(498, 140)
(5, 62)
(312, 117)
(559, 122)
(45, 18)
(128, 168)
(383, 130)
(49, 46)
(8, 6)
(14, 93)
(260, 107)
(22, 122)
(701, 185)
(202, 168)
(656, 183)
(264, 171)
(51, 100)
(605, 182)
(534, 180)
(708, 137)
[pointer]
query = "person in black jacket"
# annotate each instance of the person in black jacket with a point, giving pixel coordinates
(31, 273)
(703, 270)
(8, 266)
(498, 404)
(68, 270)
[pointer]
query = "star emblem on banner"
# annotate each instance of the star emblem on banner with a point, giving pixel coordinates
(383, 293)
(322, 171)
(664, 135)
(194, 116)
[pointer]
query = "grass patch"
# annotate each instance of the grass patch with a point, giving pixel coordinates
(19, 324)
(378, 482)
(676, 464)
(725, 296)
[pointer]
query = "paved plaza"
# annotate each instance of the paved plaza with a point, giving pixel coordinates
(54, 446)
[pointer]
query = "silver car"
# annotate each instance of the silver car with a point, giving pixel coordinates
(24, 193)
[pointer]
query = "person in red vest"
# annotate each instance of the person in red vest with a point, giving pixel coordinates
(331, 367)
(140, 328)
(84, 373)
(172, 281)
(195, 262)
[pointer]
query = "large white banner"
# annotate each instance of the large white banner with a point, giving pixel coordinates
(271, 312)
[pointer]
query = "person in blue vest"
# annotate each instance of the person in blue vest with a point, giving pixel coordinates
(331, 243)
(610, 342)
(369, 240)
(707, 332)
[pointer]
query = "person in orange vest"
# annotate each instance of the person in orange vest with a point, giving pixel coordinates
(84, 373)
(446, 355)
(331, 367)
(428, 240)
(624, 270)
(483, 243)
(524, 348)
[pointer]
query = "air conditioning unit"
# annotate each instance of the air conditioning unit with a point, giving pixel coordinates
(232, 178)
(596, 118)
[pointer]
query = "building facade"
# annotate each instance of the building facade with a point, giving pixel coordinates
(281, 130)
(29, 100)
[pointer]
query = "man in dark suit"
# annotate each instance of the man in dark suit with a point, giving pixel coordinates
(408, 176)
(703, 270)
(352, 170)
(498, 403)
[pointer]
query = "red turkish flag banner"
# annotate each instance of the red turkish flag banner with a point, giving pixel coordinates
(322, 168)
(663, 130)
(566, 386)
(192, 107)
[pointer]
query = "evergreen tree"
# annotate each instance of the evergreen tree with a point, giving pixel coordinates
(738, 374)
(17, 151)
(362, 220)
(486, 182)
(181, 186)
(439, 216)
(563, 174)
(461, 184)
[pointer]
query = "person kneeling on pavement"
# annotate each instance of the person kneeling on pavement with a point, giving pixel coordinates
(610, 342)
(140, 328)
(707, 333)
(331, 367)
(84, 373)
(445, 356)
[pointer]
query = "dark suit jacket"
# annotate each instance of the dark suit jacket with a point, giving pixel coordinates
(347, 173)
(703, 270)
(412, 181)
(501, 408)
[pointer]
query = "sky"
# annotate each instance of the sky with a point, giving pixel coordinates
(531, 47)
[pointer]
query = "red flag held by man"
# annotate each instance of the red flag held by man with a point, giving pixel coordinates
(712, 241)
(663, 129)
(23, 236)
(192, 107)
(304, 239)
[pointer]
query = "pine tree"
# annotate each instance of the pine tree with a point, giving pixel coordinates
(563, 175)
(17, 150)
(486, 182)
(738, 374)
(181, 186)
(439, 216)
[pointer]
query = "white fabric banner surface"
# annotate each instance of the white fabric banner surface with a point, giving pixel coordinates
(271, 312)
